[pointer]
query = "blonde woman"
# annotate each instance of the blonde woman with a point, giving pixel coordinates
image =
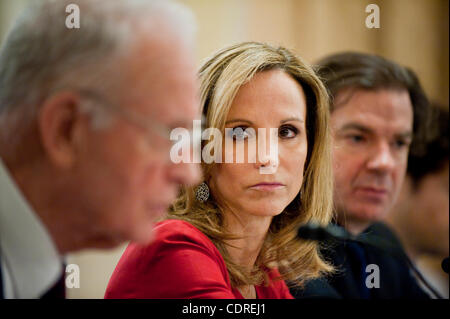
(234, 236)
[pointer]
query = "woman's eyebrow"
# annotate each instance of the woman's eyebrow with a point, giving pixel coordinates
(238, 120)
(289, 119)
(296, 119)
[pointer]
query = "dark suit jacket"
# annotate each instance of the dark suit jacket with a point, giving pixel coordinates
(395, 278)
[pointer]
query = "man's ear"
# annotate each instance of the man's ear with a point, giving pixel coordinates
(59, 124)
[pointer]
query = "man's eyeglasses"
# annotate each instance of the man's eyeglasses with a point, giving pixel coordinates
(151, 127)
(158, 135)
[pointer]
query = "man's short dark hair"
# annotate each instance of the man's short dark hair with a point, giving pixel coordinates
(372, 72)
(436, 149)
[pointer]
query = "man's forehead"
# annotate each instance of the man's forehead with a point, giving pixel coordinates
(163, 85)
(171, 114)
(157, 60)
(385, 109)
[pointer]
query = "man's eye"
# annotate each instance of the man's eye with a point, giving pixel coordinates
(356, 138)
(287, 131)
(401, 144)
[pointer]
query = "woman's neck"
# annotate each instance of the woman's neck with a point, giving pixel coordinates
(252, 231)
(248, 292)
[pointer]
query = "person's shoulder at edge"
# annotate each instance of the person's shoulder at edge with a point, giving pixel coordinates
(181, 262)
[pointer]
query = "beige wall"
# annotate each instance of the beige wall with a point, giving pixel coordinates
(96, 267)
(413, 33)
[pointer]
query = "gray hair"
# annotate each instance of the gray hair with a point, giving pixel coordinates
(42, 55)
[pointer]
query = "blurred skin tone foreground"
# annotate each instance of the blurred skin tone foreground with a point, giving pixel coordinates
(234, 236)
(75, 172)
(377, 107)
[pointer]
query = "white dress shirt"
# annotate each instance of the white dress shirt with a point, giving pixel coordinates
(30, 261)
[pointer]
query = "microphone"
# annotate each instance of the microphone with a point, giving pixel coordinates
(313, 231)
(445, 265)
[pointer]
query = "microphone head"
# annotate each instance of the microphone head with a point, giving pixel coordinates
(445, 265)
(312, 231)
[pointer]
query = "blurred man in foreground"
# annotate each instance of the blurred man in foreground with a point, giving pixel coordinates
(85, 128)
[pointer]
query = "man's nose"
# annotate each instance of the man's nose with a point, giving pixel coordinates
(186, 173)
(381, 158)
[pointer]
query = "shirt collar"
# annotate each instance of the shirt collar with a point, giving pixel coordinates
(28, 252)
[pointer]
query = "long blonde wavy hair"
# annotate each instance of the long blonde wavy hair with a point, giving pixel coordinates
(221, 77)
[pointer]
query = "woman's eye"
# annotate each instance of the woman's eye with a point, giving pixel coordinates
(287, 132)
(239, 133)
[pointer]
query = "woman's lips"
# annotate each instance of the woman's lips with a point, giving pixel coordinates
(267, 186)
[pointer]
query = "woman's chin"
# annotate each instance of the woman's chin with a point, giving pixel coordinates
(268, 209)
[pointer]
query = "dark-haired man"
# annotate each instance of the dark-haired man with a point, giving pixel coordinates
(377, 108)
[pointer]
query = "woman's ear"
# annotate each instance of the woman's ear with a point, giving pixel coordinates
(59, 126)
